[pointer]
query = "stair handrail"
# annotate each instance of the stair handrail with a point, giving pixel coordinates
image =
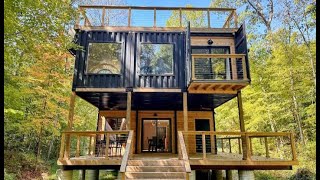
(184, 153)
(126, 153)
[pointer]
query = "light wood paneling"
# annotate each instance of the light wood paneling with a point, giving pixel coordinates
(217, 41)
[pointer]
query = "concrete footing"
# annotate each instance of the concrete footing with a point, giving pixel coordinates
(66, 174)
(92, 174)
(246, 175)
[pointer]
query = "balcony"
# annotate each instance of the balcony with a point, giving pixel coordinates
(218, 73)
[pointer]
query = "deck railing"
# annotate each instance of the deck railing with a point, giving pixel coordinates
(183, 154)
(106, 144)
(243, 140)
(219, 67)
(130, 16)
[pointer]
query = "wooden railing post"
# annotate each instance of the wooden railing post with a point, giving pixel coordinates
(154, 17)
(90, 145)
(222, 145)
(126, 154)
(78, 146)
(129, 17)
(208, 15)
(266, 146)
(61, 154)
(244, 68)
(251, 149)
(180, 17)
(204, 148)
(293, 148)
(246, 151)
(107, 145)
(229, 145)
(193, 77)
(239, 144)
(103, 15)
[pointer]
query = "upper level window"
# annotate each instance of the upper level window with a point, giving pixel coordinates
(156, 59)
(104, 58)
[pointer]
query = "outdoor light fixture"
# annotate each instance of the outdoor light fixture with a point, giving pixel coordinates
(210, 41)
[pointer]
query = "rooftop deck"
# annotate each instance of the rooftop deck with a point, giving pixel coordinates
(92, 17)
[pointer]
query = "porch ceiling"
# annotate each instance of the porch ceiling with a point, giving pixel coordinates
(154, 100)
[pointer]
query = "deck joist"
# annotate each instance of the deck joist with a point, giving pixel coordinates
(216, 87)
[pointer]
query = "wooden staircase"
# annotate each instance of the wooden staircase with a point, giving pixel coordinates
(155, 169)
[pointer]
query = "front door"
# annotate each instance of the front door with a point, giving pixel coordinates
(156, 136)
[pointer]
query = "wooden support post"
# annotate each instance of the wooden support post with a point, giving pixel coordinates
(128, 115)
(70, 124)
(78, 146)
(247, 154)
(266, 145)
(234, 69)
(244, 68)
(213, 144)
(185, 117)
(107, 145)
(244, 140)
(293, 148)
(204, 148)
(93, 149)
(229, 145)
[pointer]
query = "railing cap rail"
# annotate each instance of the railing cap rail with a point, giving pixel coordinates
(155, 7)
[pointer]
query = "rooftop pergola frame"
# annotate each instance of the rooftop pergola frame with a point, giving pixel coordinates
(99, 17)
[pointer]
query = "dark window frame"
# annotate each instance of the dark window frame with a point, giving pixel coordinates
(154, 74)
(105, 42)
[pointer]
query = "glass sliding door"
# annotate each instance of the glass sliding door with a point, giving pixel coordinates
(156, 135)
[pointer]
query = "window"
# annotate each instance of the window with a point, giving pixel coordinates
(156, 59)
(104, 58)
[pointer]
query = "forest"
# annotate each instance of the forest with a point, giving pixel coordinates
(39, 70)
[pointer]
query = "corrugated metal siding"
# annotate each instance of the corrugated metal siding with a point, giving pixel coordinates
(130, 76)
(241, 48)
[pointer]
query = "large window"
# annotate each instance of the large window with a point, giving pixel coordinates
(104, 58)
(156, 59)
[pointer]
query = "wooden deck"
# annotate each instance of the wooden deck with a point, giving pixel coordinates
(213, 161)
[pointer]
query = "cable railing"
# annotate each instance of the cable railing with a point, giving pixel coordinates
(242, 145)
(137, 16)
(97, 144)
(218, 67)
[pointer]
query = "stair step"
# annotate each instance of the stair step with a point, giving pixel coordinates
(157, 175)
(155, 169)
(155, 163)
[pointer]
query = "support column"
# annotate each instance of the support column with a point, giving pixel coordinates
(92, 174)
(193, 175)
(232, 175)
(242, 127)
(185, 118)
(246, 175)
(70, 123)
(128, 116)
(66, 174)
(82, 174)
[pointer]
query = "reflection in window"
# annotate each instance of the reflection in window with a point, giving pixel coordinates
(156, 59)
(104, 58)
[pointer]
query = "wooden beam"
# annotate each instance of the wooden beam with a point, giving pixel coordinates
(185, 116)
(128, 116)
(157, 7)
(103, 15)
(100, 90)
(240, 110)
(156, 90)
